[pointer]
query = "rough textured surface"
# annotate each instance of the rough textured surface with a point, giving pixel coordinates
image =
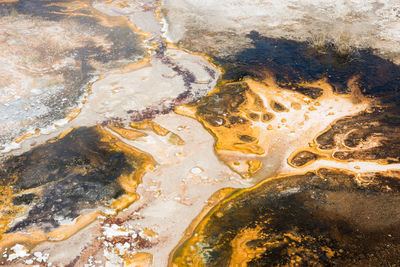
(324, 218)
(50, 51)
(267, 129)
(257, 122)
(370, 135)
(59, 180)
(221, 27)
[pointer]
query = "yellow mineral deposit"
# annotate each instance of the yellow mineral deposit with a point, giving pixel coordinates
(8, 210)
(138, 259)
(149, 232)
(128, 181)
(190, 250)
(145, 62)
(242, 253)
(20, 139)
(149, 125)
(191, 236)
(176, 139)
(273, 121)
(128, 134)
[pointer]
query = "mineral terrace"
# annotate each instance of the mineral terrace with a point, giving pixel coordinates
(199, 133)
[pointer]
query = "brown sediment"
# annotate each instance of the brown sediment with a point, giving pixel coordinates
(317, 218)
(228, 120)
(366, 136)
(278, 107)
(302, 158)
(8, 210)
(129, 181)
(176, 139)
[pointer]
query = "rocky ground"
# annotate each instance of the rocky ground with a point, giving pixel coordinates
(197, 133)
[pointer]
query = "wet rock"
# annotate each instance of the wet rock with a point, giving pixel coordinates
(366, 136)
(80, 171)
(303, 157)
(323, 217)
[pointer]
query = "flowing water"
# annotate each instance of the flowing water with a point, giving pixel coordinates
(195, 133)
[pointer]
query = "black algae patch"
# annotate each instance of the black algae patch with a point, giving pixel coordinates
(294, 62)
(76, 172)
(321, 218)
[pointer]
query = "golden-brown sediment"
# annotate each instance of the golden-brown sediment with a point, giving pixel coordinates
(320, 217)
(36, 236)
(128, 134)
(250, 119)
(243, 253)
(8, 210)
(128, 181)
(211, 202)
(150, 125)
